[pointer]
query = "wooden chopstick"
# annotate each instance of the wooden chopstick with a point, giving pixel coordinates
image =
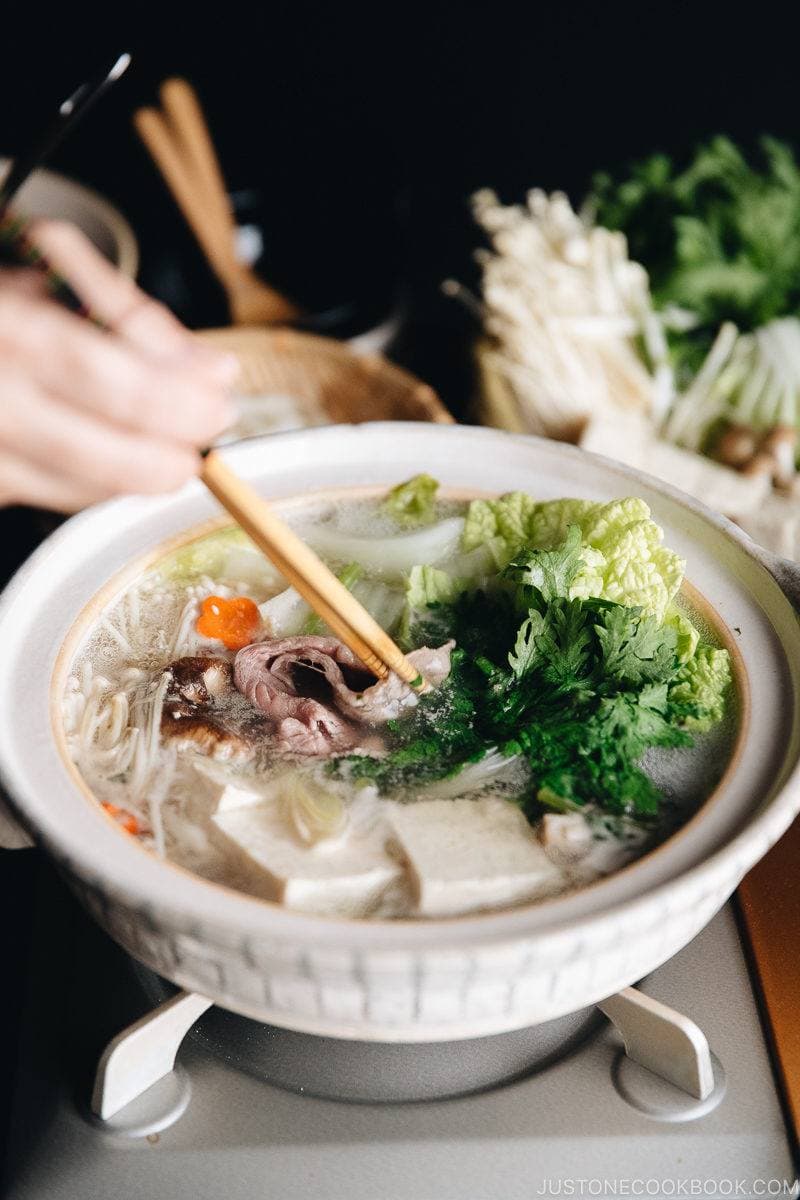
(188, 125)
(217, 245)
(180, 144)
(315, 582)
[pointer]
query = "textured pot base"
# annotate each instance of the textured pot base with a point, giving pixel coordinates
(379, 1072)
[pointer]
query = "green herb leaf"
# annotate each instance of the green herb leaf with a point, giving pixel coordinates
(720, 238)
(525, 654)
(565, 645)
(581, 687)
(636, 649)
(549, 572)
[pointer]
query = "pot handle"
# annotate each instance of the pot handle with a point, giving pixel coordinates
(784, 571)
(12, 835)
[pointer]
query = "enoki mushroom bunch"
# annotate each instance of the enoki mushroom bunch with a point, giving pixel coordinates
(570, 318)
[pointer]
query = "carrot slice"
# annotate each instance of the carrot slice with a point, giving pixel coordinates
(234, 622)
(123, 818)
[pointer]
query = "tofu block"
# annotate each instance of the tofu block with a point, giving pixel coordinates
(217, 792)
(566, 837)
(344, 877)
(232, 797)
(467, 855)
(631, 439)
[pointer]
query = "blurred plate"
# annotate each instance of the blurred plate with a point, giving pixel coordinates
(47, 194)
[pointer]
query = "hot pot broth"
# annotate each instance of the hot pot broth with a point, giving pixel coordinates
(580, 713)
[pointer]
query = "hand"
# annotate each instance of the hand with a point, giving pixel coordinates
(85, 414)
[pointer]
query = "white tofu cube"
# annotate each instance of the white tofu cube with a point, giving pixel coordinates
(345, 877)
(468, 855)
(216, 793)
(566, 837)
(233, 797)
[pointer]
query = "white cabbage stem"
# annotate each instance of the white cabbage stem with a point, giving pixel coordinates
(493, 768)
(391, 557)
(315, 815)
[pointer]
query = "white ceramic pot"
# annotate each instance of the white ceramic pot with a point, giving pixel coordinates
(403, 980)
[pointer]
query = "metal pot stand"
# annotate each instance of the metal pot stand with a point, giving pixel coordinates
(664, 1067)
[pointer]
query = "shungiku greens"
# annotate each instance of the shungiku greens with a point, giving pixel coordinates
(220, 723)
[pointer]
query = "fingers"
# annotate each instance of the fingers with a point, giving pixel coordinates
(22, 482)
(25, 281)
(85, 413)
(106, 377)
(121, 305)
(93, 459)
(109, 295)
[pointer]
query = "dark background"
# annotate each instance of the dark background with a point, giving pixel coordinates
(358, 136)
(359, 132)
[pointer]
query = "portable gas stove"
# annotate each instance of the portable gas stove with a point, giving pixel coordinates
(98, 1110)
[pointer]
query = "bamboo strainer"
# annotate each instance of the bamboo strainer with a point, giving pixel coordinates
(326, 377)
